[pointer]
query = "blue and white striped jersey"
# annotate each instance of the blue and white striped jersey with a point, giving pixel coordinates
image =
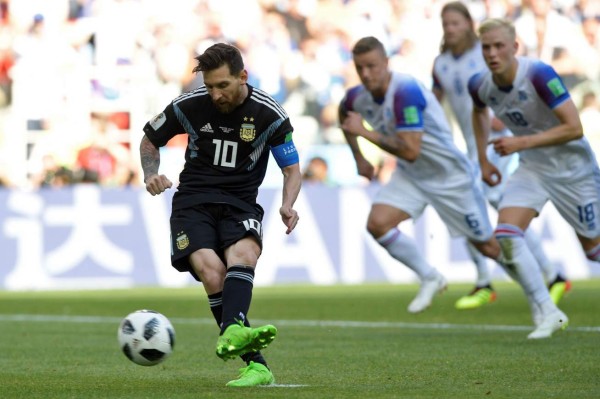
(526, 109)
(451, 74)
(409, 106)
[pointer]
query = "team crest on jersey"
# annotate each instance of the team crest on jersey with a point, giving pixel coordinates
(522, 95)
(248, 130)
(182, 241)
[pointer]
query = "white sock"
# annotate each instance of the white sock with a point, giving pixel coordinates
(402, 248)
(483, 272)
(547, 307)
(535, 246)
(521, 264)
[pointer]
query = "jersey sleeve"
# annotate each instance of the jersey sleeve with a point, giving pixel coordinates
(163, 127)
(409, 104)
(473, 87)
(548, 85)
(347, 103)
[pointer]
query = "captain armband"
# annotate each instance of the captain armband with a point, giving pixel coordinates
(285, 154)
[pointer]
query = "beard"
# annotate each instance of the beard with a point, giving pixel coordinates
(225, 108)
(233, 100)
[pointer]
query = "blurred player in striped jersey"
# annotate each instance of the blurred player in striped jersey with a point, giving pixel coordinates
(556, 161)
(459, 59)
(407, 121)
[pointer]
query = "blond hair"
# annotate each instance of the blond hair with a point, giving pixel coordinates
(495, 23)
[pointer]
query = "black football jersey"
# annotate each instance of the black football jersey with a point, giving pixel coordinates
(227, 154)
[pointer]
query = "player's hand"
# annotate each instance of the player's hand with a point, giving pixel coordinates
(353, 123)
(156, 184)
(506, 145)
(289, 217)
(490, 174)
(365, 169)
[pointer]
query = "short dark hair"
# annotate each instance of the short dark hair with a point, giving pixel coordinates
(218, 55)
(367, 44)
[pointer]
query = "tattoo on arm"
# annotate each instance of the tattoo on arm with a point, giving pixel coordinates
(393, 145)
(150, 157)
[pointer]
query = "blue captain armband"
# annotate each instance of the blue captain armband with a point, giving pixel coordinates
(285, 154)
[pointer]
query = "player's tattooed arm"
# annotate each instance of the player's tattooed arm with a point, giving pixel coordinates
(393, 145)
(405, 145)
(150, 157)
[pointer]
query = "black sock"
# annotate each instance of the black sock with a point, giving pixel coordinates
(215, 301)
(237, 295)
(255, 357)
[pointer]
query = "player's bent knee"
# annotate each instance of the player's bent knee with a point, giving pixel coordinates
(374, 230)
(208, 267)
(244, 252)
(377, 227)
(212, 277)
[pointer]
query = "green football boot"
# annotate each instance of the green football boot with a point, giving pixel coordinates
(237, 340)
(558, 288)
(254, 374)
(478, 297)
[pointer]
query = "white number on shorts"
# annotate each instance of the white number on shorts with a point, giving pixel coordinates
(253, 224)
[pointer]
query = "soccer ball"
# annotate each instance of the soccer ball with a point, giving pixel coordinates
(146, 337)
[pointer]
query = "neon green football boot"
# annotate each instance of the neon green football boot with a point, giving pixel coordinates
(558, 288)
(254, 374)
(237, 340)
(478, 297)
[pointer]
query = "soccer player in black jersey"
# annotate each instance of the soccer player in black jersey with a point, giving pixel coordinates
(216, 231)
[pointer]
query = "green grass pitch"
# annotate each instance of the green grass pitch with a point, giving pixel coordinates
(333, 342)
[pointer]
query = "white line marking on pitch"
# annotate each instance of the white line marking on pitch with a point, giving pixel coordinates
(291, 323)
(284, 386)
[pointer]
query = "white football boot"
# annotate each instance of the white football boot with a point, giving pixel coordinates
(429, 287)
(550, 323)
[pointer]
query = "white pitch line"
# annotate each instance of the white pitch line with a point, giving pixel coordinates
(284, 386)
(290, 323)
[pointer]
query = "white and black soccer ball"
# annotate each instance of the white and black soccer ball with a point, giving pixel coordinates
(146, 337)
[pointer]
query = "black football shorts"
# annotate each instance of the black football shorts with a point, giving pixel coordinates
(214, 226)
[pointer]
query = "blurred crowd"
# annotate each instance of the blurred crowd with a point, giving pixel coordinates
(79, 78)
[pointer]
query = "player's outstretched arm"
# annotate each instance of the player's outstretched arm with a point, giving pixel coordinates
(292, 181)
(150, 158)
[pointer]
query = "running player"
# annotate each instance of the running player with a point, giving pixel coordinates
(459, 59)
(409, 122)
(556, 161)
